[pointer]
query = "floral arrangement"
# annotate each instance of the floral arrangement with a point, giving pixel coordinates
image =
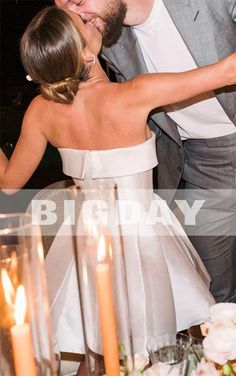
(219, 348)
(219, 344)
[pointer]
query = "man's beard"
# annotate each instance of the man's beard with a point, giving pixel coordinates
(113, 22)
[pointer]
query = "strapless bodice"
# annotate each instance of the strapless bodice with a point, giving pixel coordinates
(111, 163)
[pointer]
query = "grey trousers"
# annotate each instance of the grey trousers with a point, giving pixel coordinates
(210, 175)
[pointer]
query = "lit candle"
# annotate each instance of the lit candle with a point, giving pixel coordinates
(107, 313)
(13, 269)
(8, 288)
(7, 297)
(22, 345)
(40, 252)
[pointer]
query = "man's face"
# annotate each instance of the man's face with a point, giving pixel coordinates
(106, 15)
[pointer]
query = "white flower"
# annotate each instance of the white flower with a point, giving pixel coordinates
(223, 314)
(220, 345)
(205, 369)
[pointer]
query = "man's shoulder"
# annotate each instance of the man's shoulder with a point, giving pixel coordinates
(223, 7)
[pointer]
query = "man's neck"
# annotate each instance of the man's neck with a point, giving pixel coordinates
(138, 11)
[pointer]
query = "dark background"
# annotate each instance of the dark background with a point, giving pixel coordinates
(16, 92)
(15, 16)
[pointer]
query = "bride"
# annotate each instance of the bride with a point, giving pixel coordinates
(100, 129)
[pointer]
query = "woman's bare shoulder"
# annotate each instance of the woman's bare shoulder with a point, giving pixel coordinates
(36, 113)
(37, 104)
(34, 106)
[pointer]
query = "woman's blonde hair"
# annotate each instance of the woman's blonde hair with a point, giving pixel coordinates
(51, 53)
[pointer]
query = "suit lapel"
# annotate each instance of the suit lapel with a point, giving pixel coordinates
(126, 55)
(191, 20)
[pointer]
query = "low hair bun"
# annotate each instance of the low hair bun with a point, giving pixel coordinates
(63, 91)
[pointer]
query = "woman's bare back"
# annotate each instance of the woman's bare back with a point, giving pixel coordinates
(99, 118)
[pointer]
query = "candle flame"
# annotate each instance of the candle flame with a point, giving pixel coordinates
(40, 252)
(110, 251)
(85, 274)
(20, 305)
(7, 286)
(14, 262)
(95, 232)
(101, 249)
(13, 269)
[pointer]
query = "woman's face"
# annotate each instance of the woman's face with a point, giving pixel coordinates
(92, 37)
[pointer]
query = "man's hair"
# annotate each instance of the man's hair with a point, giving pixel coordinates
(51, 48)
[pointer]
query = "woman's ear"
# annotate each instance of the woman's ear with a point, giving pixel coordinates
(88, 56)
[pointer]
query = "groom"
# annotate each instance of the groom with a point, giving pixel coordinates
(196, 139)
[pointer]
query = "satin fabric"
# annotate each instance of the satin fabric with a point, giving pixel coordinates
(168, 286)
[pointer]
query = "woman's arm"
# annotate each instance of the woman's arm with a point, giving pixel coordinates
(158, 89)
(26, 157)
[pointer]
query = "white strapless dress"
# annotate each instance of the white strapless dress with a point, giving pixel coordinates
(169, 283)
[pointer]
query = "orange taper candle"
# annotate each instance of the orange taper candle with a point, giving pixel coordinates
(21, 339)
(107, 313)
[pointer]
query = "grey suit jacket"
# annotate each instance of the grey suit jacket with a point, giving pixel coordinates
(208, 28)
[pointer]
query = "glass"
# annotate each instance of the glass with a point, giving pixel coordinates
(25, 337)
(196, 336)
(172, 349)
(102, 281)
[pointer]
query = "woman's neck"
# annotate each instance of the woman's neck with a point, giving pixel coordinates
(96, 76)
